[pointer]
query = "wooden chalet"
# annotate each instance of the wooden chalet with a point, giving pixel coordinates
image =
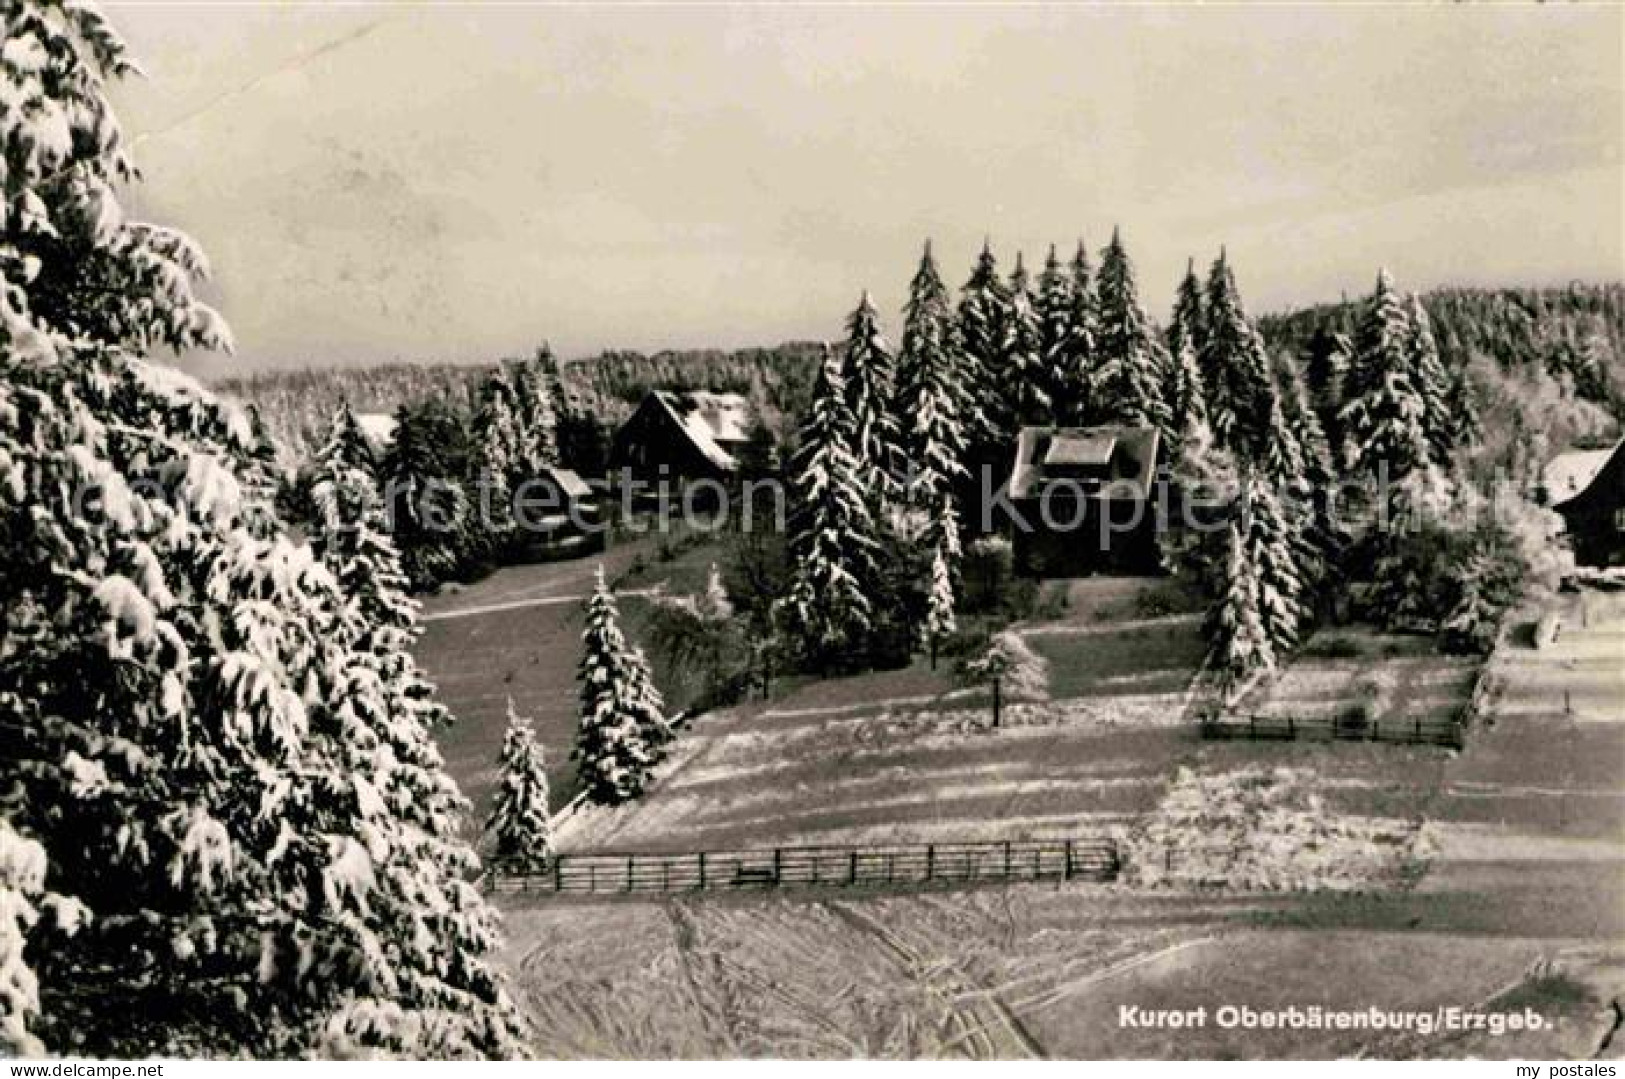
(1587, 489)
(682, 436)
(1082, 498)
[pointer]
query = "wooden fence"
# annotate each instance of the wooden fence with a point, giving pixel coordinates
(928, 864)
(1425, 732)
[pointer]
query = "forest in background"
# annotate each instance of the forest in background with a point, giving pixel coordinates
(297, 406)
(1546, 367)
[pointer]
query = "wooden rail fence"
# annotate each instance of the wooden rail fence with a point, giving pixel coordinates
(1426, 732)
(825, 867)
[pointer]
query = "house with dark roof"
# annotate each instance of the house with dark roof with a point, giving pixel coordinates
(1083, 501)
(682, 436)
(1592, 504)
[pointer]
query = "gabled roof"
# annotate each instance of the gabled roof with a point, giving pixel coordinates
(379, 427)
(1130, 451)
(1569, 474)
(712, 421)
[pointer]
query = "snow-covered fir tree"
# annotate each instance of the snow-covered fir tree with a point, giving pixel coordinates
(1465, 427)
(495, 437)
(1274, 554)
(1323, 372)
(1384, 415)
(647, 700)
(940, 622)
(826, 612)
(1073, 396)
(520, 823)
(1323, 536)
(350, 532)
(536, 422)
(1432, 383)
(1234, 366)
(221, 832)
(1024, 376)
(1187, 324)
(931, 396)
(1235, 628)
(868, 371)
(1184, 393)
(1127, 376)
(614, 752)
(1055, 308)
(984, 321)
(430, 512)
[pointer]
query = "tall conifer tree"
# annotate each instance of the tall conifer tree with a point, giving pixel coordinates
(1234, 365)
(1235, 626)
(1024, 376)
(931, 395)
(1055, 312)
(827, 611)
(1384, 415)
(613, 753)
(1127, 365)
(985, 328)
(1073, 398)
(869, 373)
(520, 824)
(224, 828)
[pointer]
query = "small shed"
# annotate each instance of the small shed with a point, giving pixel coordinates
(1082, 499)
(1594, 513)
(682, 436)
(558, 515)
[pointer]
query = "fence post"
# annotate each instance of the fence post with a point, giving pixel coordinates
(702, 871)
(1252, 727)
(852, 868)
(629, 862)
(1006, 859)
(930, 861)
(778, 865)
(558, 873)
(1419, 729)
(1066, 874)
(1291, 729)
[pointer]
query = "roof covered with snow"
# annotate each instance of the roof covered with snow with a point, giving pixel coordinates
(569, 483)
(1126, 455)
(1567, 474)
(714, 422)
(379, 427)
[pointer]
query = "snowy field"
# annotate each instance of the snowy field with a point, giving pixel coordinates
(1518, 838)
(517, 634)
(909, 755)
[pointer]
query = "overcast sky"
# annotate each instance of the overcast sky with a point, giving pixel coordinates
(462, 182)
